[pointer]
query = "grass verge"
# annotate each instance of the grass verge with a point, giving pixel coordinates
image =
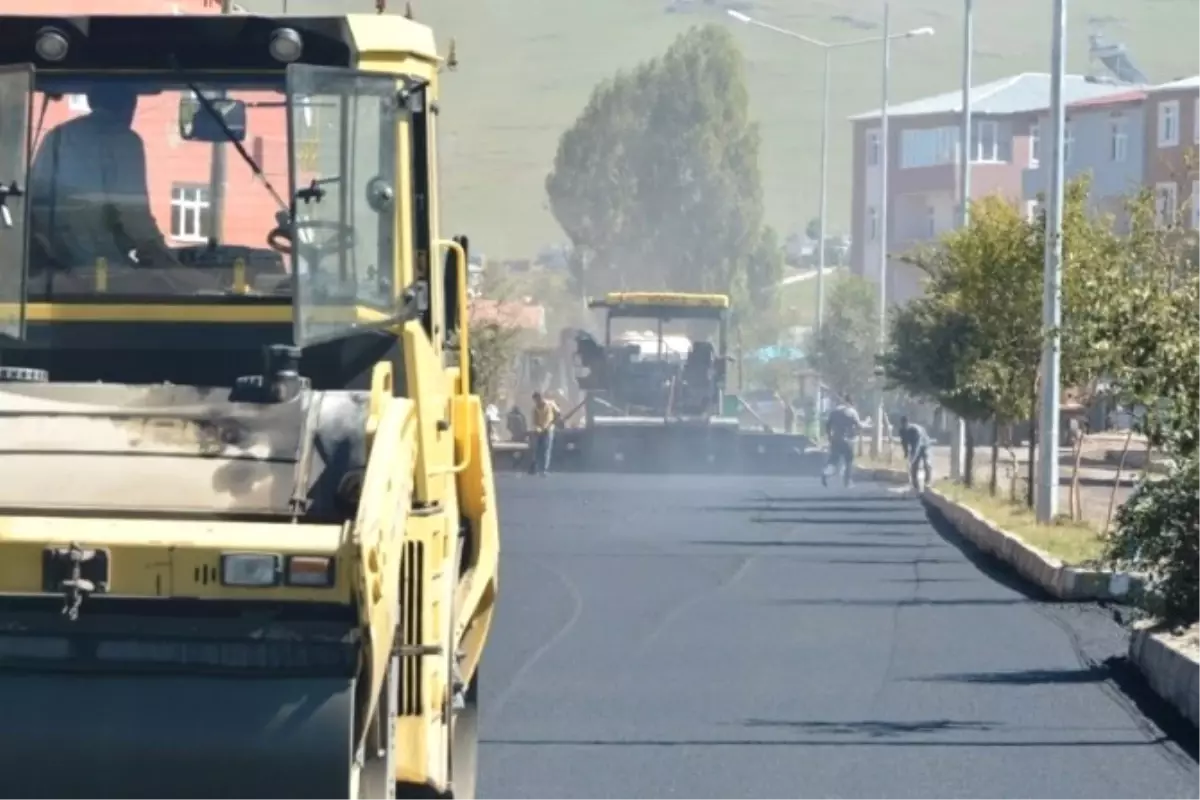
(1076, 543)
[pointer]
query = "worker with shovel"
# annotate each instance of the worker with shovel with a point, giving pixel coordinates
(915, 442)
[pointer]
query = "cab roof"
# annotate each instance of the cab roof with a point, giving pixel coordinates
(664, 305)
(210, 42)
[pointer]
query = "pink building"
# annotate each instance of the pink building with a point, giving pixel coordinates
(924, 159)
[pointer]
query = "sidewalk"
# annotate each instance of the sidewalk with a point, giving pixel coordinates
(1095, 483)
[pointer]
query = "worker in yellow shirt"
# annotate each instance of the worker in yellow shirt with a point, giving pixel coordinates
(545, 415)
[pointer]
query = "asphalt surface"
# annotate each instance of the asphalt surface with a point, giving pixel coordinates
(747, 637)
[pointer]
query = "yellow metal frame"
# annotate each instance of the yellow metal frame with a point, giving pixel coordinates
(678, 299)
(415, 457)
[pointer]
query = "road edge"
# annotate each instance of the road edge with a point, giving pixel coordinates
(1060, 580)
(1171, 673)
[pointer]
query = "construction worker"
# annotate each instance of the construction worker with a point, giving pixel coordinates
(545, 415)
(842, 426)
(915, 442)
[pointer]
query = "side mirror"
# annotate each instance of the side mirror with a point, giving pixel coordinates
(450, 284)
(197, 123)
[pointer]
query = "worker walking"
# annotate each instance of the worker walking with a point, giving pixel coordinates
(545, 415)
(842, 427)
(915, 441)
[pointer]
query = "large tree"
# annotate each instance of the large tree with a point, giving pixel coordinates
(657, 183)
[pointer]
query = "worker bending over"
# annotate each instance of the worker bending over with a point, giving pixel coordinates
(915, 441)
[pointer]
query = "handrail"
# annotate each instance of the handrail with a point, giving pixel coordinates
(464, 334)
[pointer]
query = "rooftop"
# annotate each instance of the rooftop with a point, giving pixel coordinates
(1018, 94)
(1183, 83)
(1132, 96)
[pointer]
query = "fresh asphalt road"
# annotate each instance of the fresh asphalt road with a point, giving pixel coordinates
(703, 636)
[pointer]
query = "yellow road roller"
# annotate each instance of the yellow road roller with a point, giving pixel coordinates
(248, 530)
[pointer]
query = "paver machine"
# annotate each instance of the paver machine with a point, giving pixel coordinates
(655, 399)
(248, 531)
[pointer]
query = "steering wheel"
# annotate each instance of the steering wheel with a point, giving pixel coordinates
(339, 238)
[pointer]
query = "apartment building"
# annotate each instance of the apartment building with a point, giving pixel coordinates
(1171, 148)
(1104, 137)
(924, 160)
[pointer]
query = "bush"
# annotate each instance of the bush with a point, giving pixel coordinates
(1158, 534)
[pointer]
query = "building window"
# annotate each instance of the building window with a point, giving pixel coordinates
(1035, 145)
(987, 141)
(1119, 147)
(1168, 123)
(191, 213)
(1068, 142)
(928, 147)
(872, 223)
(873, 153)
(1165, 203)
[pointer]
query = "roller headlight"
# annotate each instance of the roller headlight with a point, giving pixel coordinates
(285, 45)
(51, 45)
(250, 569)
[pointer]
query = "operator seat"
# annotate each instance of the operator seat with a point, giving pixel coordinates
(700, 362)
(591, 358)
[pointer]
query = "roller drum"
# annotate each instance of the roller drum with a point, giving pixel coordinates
(157, 736)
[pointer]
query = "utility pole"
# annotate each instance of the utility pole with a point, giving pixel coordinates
(216, 180)
(822, 231)
(877, 441)
(959, 436)
(1047, 494)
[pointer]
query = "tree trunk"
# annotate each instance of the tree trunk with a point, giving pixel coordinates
(995, 481)
(969, 461)
(1014, 473)
(1076, 500)
(1112, 498)
(1031, 468)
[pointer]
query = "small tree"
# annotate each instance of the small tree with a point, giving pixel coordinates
(933, 348)
(844, 350)
(982, 326)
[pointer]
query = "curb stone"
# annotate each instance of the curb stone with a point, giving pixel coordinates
(1173, 674)
(881, 474)
(1038, 567)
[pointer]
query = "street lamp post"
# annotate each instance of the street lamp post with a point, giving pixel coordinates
(1047, 494)
(877, 440)
(958, 439)
(828, 47)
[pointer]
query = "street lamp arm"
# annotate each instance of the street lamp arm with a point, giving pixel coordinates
(749, 20)
(876, 39)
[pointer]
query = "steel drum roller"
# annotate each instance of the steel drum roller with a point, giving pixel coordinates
(158, 736)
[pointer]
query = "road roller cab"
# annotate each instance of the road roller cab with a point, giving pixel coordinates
(248, 536)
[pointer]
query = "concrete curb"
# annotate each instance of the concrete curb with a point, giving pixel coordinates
(1173, 674)
(1042, 569)
(881, 474)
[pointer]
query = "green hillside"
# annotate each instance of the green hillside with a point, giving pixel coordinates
(527, 67)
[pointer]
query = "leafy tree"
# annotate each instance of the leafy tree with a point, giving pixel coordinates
(933, 349)
(974, 344)
(1151, 321)
(813, 229)
(657, 183)
(844, 350)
